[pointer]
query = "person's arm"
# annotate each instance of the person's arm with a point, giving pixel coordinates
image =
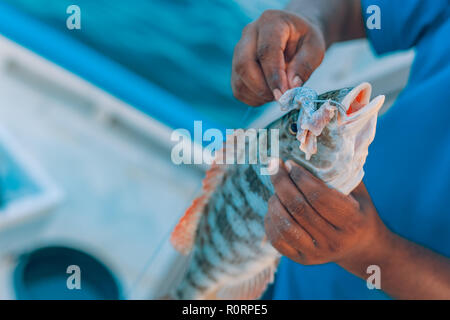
(339, 20)
(282, 48)
(313, 224)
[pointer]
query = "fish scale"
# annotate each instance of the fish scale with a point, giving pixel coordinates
(225, 227)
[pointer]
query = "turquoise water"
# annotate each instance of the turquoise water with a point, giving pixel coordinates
(183, 46)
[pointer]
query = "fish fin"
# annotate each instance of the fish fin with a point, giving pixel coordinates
(251, 288)
(183, 236)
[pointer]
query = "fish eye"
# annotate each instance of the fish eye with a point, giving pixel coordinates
(293, 128)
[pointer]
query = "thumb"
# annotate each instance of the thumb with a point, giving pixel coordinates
(308, 57)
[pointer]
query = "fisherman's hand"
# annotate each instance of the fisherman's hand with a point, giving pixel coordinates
(311, 223)
(277, 52)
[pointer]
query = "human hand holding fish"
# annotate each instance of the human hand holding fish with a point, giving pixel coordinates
(312, 223)
(223, 229)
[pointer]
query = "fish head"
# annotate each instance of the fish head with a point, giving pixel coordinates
(329, 136)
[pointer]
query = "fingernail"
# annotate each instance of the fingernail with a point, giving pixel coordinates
(277, 94)
(297, 82)
(273, 166)
(288, 165)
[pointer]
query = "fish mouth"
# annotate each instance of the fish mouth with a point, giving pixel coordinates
(357, 102)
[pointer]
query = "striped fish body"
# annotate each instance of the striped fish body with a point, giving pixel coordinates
(223, 230)
(230, 246)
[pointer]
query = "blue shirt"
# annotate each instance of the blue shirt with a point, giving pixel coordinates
(407, 171)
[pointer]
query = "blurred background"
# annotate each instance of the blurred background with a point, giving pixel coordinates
(86, 116)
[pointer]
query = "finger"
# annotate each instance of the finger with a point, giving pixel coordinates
(291, 231)
(333, 206)
(309, 56)
(246, 66)
(244, 94)
(279, 243)
(297, 206)
(272, 40)
(291, 47)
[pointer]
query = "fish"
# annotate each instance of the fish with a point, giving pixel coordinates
(223, 233)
